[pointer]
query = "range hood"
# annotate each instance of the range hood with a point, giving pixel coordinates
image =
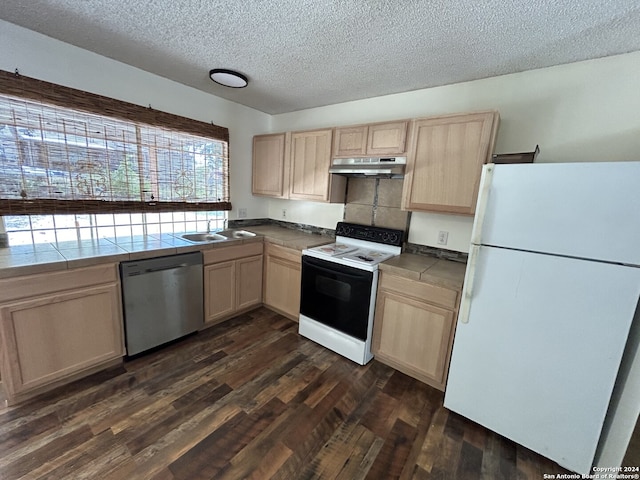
(369, 167)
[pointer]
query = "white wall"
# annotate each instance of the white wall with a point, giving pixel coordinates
(42, 57)
(586, 111)
(324, 215)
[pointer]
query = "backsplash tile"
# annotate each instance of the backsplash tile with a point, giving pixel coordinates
(375, 201)
(361, 191)
(407, 247)
(356, 213)
(435, 252)
(250, 222)
(302, 227)
(389, 217)
(390, 193)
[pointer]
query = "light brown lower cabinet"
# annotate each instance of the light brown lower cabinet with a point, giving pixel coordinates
(413, 328)
(282, 275)
(232, 281)
(220, 288)
(68, 326)
(248, 282)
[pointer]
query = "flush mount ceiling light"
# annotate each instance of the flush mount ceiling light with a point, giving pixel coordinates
(228, 78)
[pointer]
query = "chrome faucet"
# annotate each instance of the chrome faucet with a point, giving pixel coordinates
(208, 226)
(225, 223)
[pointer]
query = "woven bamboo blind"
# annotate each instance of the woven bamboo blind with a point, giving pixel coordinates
(67, 151)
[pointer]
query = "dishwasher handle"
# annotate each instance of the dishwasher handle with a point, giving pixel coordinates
(160, 264)
(167, 267)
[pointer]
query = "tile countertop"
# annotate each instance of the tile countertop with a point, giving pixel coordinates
(48, 257)
(287, 237)
(444, 273)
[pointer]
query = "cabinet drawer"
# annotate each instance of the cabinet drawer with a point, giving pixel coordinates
(420, 290)
(283, 252)
(34, 285)
(225, 254)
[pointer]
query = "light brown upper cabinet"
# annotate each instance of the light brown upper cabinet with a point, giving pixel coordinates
(350, 141)
(445, 160)
(310, 160)
(372, 140)
(270, 175)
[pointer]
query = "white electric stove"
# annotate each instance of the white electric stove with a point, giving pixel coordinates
(339, 283)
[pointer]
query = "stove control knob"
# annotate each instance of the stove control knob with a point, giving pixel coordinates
(390, 237)
(343, 230)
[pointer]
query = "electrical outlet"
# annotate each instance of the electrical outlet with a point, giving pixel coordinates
(443, 237)
(284, 213)
(242, 213)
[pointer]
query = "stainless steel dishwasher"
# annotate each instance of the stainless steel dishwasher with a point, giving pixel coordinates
(162, 299)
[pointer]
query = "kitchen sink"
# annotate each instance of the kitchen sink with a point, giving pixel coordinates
(217, 236)
(203, 237)
(236, 234)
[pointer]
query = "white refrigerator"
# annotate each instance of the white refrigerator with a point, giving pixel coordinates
(544, 351)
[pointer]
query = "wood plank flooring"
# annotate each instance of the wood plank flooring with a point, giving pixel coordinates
(250, 398)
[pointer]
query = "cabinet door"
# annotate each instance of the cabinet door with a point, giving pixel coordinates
(269, 165)
(413, 337)
(387, 138)
(310, 161)
(49, 338)
(445, 161)
(220, 291)
(282, 286)
(350, 141)
(248, 282)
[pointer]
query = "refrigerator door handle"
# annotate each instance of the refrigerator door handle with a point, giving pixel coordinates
(481, 206)
(467, 292)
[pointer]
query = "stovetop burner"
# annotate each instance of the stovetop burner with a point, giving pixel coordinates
(360, 246)
(334, 249)
(371, 257)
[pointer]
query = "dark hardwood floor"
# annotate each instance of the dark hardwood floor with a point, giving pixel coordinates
(251, 399)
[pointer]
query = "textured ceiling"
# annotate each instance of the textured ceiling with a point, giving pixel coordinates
(307, 53)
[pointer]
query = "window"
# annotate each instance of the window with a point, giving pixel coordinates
(33, 229)
(63, 151)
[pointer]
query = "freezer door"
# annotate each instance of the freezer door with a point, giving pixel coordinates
(538, 358)
(585, 210)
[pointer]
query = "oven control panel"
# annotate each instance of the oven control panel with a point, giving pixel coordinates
(386, 236)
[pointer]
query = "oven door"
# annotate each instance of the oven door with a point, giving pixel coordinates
(336, 295)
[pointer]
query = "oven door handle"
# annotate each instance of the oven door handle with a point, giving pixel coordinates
(338, 271)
